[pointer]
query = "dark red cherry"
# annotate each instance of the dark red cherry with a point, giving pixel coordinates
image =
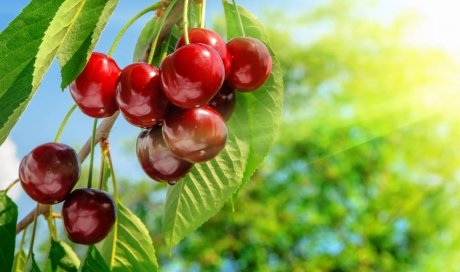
(251, 64)
(192, 75)
(157, 160)
(211, 38)
(49, 172)
(139, 95)
(224, 101)
(94, 89)
(88, 215)
(195, 135)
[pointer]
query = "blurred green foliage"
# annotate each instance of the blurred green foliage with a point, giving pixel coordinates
(364, 175)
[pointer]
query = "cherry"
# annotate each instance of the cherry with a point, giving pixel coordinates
(139, 95)
(211, 38)
(157, 160)
(251, 64)
(192, 75)
(94, 89)
(88, 215)
(224, 101)
(195, 135)
(49, 172)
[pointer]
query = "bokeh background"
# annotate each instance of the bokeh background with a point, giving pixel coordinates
(365, 172)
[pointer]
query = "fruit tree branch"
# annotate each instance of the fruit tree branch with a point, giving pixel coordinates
(103, 131)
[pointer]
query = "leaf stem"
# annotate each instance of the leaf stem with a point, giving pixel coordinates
(34, 230)
(130, 22)
(20, 250)
(91, 160)
(11, 185)
(101, 177)
(240, 22)
(64, 123)
(112, 173)
(158, 31)
(51, 224)
(185, 22)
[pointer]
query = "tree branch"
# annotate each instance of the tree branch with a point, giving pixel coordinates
(103, 131)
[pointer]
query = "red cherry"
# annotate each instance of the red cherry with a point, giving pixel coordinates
(211, 38)
(195, 135)
(192, 75)
(224, 101)
(157, 160)
(139, 95)
(94, 89)
(49, 172)
(88, 215)
(251, 64)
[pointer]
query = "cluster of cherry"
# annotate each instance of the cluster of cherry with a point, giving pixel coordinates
(182, 107)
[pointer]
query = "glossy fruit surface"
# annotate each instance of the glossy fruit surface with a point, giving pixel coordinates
(195, 135)
(88, 215)
(192, 75)
(157, 160)
(94, 89)
(224, 101)
(211, 38)
(251, 64)
(49, 172)
(139, 95)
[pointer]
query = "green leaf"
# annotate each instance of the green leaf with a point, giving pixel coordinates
(145, 38)
(129, 246)
(32, 264)
(94, 262)
(19, 44)
(19, 263)
(82, 35)
(252, 130)
(29, 44)
(62, 258)
(167, 46)
(8, 219)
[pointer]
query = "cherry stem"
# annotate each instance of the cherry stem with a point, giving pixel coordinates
(130, 22)
(158, 31)
(203, 14)
(51, 224)
(185, 22)
(64, 123)
(57, 215)
(91, 160)
(101, 177)
(239, 18)
(11, 185)
(34, 230)
(112, 173)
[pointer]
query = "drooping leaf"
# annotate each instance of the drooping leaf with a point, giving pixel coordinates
(252, 130)
(32, 265)
(94, 262)
(129, 246)
(62, 258)
(19, 263)
(29, 44)
(167, 46)
(265, 104)
(19, 44)
(146, 36)
(82, 36)
(8, 219)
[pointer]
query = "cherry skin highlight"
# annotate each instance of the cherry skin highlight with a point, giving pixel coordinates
(49, 172)
(195, 135)
(94, 89)
(139, 95)
(251, 64)
(224, 101)
(157, 160)
(192, 75)
(211, 38)
(88, 215)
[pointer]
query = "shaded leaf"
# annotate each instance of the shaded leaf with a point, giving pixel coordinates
(129, 246)
(19, 263)
(94, 262)
(62, 258)
(32, 264)
(8, 219)
(146, 36)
